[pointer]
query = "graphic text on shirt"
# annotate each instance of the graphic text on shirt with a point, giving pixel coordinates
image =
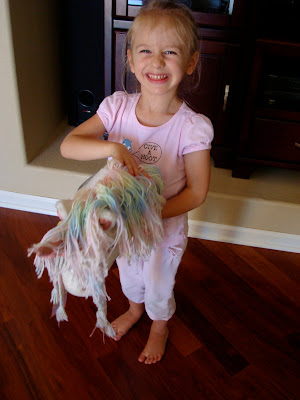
(149, 153)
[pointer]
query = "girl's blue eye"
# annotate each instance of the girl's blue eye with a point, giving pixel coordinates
(170, 52)
(145, 51)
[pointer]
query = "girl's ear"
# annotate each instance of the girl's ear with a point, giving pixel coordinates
(192, 63)
(129, 56)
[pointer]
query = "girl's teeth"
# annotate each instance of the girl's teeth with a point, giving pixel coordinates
(157, 77)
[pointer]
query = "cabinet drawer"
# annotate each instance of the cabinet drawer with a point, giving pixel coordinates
(275, 140)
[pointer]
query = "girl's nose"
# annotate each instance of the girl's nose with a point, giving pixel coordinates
(158, 61)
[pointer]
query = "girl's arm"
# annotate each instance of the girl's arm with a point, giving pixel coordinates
(197, 167)
(84, 144)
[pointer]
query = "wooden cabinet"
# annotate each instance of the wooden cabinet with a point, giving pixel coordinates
(270, 130)
(275, 140)
(217, 96)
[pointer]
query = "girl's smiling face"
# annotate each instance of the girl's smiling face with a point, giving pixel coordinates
(158, 59)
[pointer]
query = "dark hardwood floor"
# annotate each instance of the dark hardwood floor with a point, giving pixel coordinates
(235, 334)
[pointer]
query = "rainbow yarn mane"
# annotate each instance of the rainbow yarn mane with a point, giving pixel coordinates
(82, 251)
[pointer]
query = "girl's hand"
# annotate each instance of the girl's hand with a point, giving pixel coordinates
(84, 144)
(122, 154)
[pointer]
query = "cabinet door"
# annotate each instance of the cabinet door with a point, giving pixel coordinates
(275, 140)
(216, 95)
(215, 92)
(270, 129)
(122, 80)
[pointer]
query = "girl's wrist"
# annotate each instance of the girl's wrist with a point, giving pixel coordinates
(113, 149)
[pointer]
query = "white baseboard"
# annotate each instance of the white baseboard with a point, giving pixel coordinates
(244, 236)
(27, 202)
(197, 229)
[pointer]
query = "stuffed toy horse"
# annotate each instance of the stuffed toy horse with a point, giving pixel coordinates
(113, 213)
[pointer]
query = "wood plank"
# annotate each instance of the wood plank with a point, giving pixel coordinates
(235, 334)
(260, 385)
(182, 338)
(263, 288)
(287, 262)
(286, 285)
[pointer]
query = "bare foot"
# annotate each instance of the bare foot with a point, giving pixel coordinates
(156, 344)
(122, 324)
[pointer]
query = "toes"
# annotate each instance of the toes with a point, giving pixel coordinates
(118, 333)
(142, 357)
(158, 358)
(153, 360)
(118, 336)
(149, 359)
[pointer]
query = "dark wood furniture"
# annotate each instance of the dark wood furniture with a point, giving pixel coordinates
(270, 130)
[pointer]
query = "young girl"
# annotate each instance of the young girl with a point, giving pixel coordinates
(154, 127)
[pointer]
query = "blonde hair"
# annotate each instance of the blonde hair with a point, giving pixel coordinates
(178, 17)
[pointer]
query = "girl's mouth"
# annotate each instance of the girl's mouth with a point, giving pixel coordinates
(157, 77)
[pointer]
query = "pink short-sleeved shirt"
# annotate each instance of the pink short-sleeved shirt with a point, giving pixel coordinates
(164, 145)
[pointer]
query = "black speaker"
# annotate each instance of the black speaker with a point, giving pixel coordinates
(84, 57)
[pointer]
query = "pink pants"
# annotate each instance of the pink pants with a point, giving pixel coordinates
(152, 281)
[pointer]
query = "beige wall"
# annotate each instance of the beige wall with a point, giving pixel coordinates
(35, 29)
(26, 115)
(31, 113)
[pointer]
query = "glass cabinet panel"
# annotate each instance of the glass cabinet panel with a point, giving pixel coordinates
(207, 6)
(135, 2)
